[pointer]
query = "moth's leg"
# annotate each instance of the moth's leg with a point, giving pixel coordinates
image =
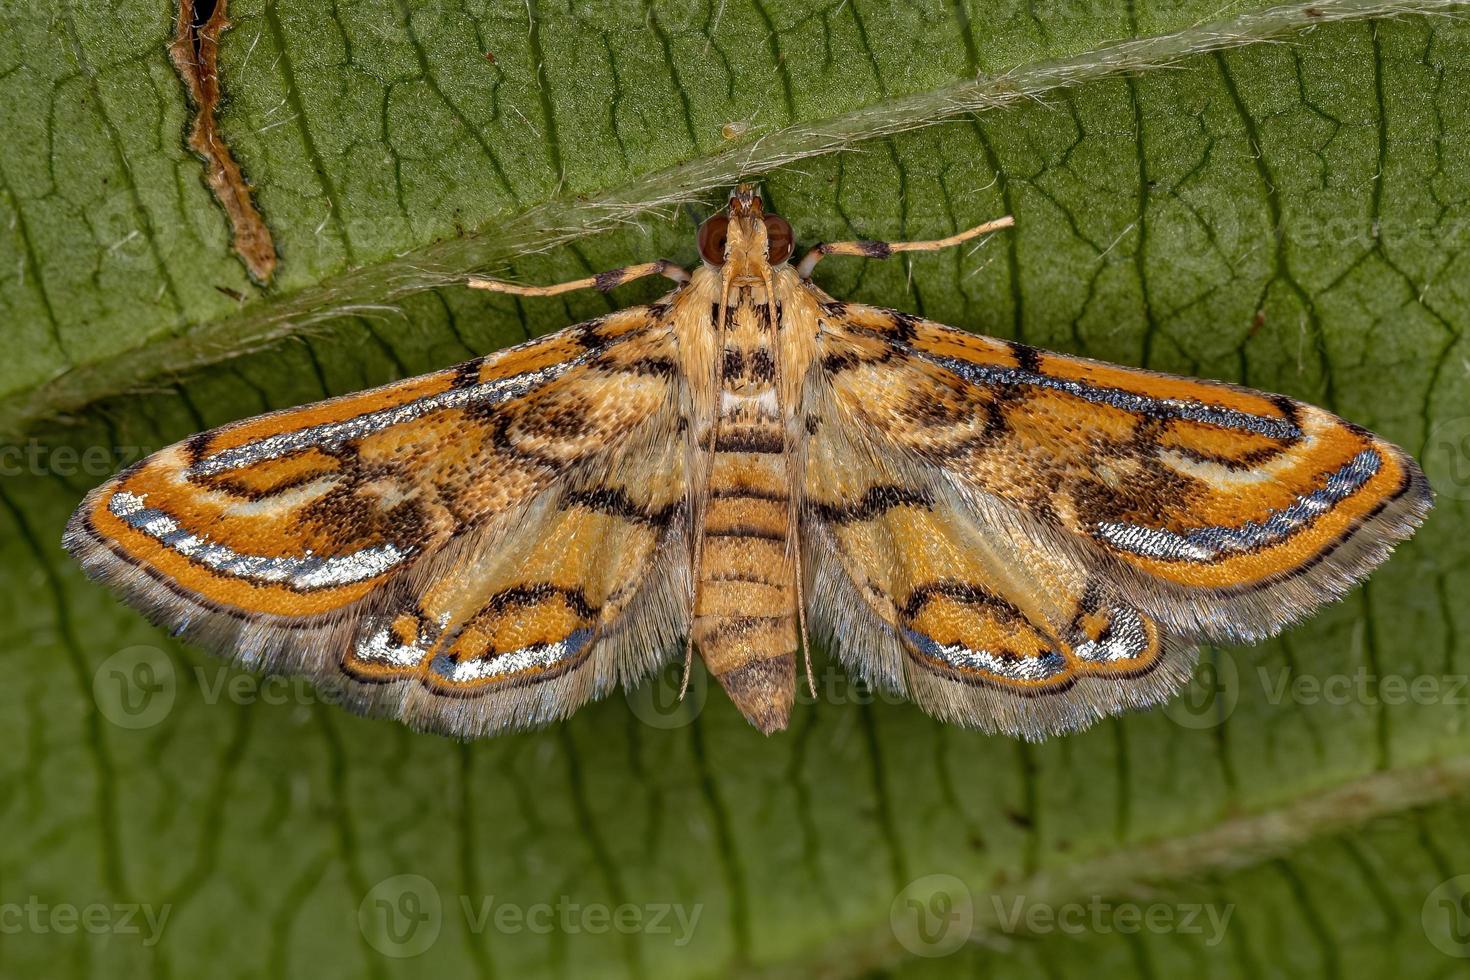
(881, 250)
(604, 281)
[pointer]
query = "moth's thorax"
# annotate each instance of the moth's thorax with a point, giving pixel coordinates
(768, 332)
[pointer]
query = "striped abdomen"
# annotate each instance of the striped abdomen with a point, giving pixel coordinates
(745, 608)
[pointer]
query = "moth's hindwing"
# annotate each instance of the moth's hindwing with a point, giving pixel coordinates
(364, 540)
(967, 613)
(1154, 511)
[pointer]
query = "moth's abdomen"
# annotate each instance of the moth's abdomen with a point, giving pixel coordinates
(745, 612)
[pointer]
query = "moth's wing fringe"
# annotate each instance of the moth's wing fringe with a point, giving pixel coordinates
(1087, 700)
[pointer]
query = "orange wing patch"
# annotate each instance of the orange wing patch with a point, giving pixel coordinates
(1245, 531)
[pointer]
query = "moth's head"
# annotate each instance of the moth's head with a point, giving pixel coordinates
(743, 241)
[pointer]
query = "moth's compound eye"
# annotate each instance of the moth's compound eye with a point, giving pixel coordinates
(712, 236)
(779, 240)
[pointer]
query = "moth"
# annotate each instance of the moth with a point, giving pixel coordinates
(1016, 540)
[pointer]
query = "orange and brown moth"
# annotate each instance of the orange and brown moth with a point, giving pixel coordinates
(1014, 539)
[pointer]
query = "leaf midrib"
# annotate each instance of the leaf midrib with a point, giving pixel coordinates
(540, 228)
(1236, 842)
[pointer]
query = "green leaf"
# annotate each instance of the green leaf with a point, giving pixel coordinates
(1293, 215)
